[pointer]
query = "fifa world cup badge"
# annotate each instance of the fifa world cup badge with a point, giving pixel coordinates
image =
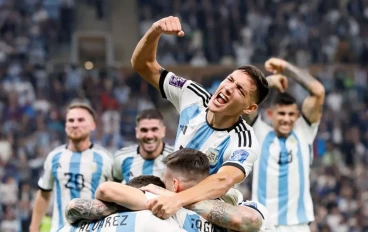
(212, 155)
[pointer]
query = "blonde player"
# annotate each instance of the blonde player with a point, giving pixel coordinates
(211, 124)
(73, 170)
(281, 175)
(146, 157)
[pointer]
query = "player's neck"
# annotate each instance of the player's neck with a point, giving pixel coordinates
(79, 146)
(221, 121)
(153, 155)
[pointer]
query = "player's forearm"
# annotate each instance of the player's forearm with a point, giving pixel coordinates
(41, 204)
(124, 195)
(311, 84)
(145, 52)
(78, 209)
(228, 216)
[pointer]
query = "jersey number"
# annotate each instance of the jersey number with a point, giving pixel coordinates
(75, 181)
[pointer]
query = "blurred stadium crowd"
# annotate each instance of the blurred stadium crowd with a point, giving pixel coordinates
(33, 95)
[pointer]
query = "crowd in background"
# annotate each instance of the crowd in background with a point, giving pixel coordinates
(33, 96)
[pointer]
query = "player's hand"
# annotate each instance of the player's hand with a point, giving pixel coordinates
(278, 82)
(157, 190)
(33, 228)
(169, 25)
(164, 206)
(275, 65)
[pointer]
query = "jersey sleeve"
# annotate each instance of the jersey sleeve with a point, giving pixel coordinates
(307, 129)
(116, 168)
(182, 92)
(244, 153)
(108, 168)
(267, 225)
(260, 127)
(46, 181)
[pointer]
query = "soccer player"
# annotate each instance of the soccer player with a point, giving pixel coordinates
(281, 175)
(74, 170)
(185, 168)
(146, 157)
(212, 125)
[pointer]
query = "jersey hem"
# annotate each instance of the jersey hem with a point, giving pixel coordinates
(161, 83)
(235, 165)
(44, 190)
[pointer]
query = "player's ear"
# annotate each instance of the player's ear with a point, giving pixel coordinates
(250, 109)
(176, 186)
(269, 113)
(136, 132)
(163, 131)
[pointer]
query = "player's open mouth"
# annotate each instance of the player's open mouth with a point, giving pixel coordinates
(150, 141)
(221, 98)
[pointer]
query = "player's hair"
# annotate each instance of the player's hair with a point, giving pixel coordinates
(259, 80)
(192, 164)
(149, 114)
(141, 181)
(82, 105)
(283, 99)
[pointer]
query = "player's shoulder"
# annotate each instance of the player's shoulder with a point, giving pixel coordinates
(101, 150)
(168, 149)
(57, 150)
(128, 151)
(242, 134)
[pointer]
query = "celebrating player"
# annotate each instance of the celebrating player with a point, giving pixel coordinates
(212, 125)
(281, 175)
(145, 158)
(74, 170)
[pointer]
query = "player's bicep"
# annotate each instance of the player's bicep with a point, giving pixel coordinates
(235, 174)
(312, 108)
(151, 73)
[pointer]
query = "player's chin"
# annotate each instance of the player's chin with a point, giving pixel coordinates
(215, 108)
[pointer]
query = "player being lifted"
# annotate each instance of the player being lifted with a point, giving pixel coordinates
(74, 170)
(211, 124)
(146, 157)
(281, 175)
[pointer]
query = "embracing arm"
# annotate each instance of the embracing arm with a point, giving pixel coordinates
(238, 218)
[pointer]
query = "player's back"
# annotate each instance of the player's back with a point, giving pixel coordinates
(281, 174)
(128, 163)
(74, 175)
(139, 221)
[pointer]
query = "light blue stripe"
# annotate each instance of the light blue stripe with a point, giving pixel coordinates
(190, 223)
(129, 223)
(55, 166)
(185, 116)
(96, 176)
(263, 167)
(148, 167)
(302, 214)
(125, 168)
(74, 168)
(283, 183)
(221, 150)
(200, 137)
(73, 228)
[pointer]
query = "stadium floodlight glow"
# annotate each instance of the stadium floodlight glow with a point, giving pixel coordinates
(88, 65)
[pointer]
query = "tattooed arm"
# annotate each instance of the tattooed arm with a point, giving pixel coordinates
(238, 218)
(79, 209)
(312, 105)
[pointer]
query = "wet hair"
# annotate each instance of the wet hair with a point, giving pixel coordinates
(259, 80)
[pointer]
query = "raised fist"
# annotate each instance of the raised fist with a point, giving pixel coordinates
(275, 65)
(169, 25)
(278, 82)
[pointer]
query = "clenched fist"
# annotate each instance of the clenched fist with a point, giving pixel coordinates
(275, 65)
(169, 25)
(278, 82)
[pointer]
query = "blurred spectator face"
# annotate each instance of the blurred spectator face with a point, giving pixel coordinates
(149, 133)
(79, 124)
(234, 96)
(283, 118)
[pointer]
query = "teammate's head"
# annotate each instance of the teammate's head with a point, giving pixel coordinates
(80, 121)
(150, 131)
(141, 181)
(240, 93)
(283, 114)
(185, 168)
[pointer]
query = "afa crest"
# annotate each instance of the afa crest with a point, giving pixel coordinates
(212, 155)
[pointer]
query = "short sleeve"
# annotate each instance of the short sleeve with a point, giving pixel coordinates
(182, 92)
(46, 181)
(304, 127)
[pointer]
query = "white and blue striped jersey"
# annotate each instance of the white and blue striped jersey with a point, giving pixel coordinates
(128, 163)
(74, 175)
(139, 221)
(236, 146)
(281, 174)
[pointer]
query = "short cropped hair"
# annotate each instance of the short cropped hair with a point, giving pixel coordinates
(259, 80)
(284, 99)
(82, 105)
(191, 163)
(149, 114)
(144, 180)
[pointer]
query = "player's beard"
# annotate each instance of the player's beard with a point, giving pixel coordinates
(76, 138)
